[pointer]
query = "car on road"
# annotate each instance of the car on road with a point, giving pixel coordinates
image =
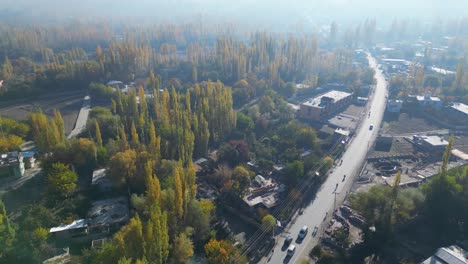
(303, 232)
(288, 240)
(291, 250)
(371, 127)
(314, 233)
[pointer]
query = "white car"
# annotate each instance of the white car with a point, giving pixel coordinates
(291, 250)
(303, 232)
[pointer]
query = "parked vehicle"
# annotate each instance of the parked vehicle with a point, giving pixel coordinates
(288, 240)
(314, 233)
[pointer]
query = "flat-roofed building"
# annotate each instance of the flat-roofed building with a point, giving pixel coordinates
(458, 112)
(448, 255)
(429, 101)
(325, 105)
(75, 229)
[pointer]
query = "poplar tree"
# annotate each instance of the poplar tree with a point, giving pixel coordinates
(98, 134)
(60, 126)
(135, 140)
(179, 195)
(153, 188)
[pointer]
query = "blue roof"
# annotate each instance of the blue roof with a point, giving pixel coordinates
(27, 154)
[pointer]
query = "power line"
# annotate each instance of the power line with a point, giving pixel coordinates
(301, 186)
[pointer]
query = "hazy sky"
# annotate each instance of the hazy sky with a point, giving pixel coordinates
(268, 13)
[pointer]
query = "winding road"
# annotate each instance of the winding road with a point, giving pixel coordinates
(335, 189)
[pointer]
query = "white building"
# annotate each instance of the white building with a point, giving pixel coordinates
(448, 255)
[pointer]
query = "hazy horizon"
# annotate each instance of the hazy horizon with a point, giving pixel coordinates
(280, 15)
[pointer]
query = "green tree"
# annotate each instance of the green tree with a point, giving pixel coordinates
(60, 126)
(61, 180)
(182, 248)
(295, 171)
(7, 69)
(129, 240)
(7, 233)
(153, 187)
(122, 166)
(241, 180)
(98, 134)
(268, 223)
(156, 236)
(441, 199)
(198, 219)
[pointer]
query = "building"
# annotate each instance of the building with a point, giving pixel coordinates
(458, 112)
(264, 193)
(108, 215)
(325, 105)
(362, 101)
(394, 106)
(100, 181)
(448, 255)
(11, 165)
(76, 229)
(429, 101)
(433, 144)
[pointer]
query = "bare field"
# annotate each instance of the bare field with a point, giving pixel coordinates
(68, 104)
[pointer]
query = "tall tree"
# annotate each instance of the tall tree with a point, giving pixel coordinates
(459, 78)
(7, 69)
(98, 134)
(179, 194)
(60, 126)
(153, 187)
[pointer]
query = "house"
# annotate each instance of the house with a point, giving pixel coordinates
(28, 159)
(264, 193)
(100, 181)
(448, 255)
(76, 229)
(11, 165)
(325, 105)
(107, 215)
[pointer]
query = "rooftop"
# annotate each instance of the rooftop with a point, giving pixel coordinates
(99, 176)
(113, 82)
(74, 225)
(10, 158)
(109, 211)
(27, 154)
(426, 98)
(460, 107)
(435, 140)
(448, 255)
(333, 95)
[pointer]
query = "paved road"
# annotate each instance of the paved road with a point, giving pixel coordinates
(82, 119)
(319, 211)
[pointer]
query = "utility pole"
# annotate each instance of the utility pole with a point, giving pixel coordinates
(334, 203)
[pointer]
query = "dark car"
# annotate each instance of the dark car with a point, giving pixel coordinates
(288, 240)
